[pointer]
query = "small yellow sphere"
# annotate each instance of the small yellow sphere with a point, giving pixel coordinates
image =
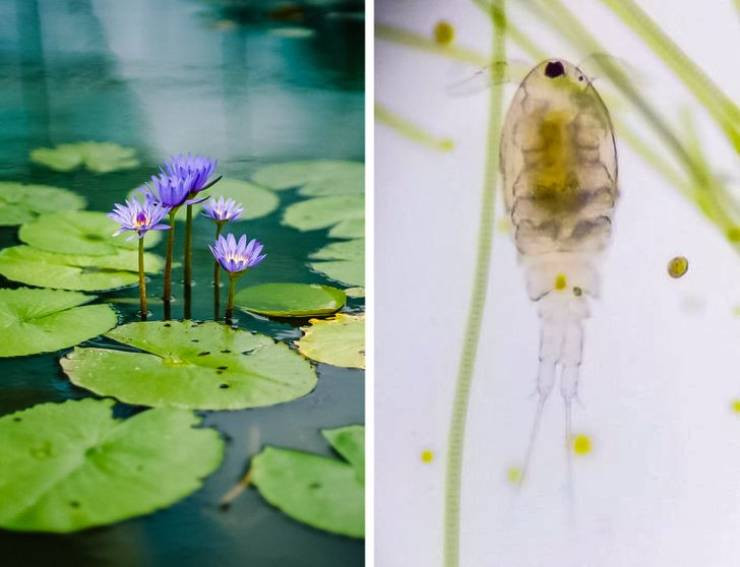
(444, 33)
(514, 475)
(427, 456)
(736, 406)
(678, 266)
(581, 444)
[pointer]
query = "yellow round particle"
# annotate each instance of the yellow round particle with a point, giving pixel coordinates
(561, 282)
(581, 444)
(736, 405)
(427, 456)
(678, 266)
(444, 33)
(514, 475)
(733, 234)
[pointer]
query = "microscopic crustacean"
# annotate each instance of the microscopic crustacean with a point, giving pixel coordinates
(559, 167)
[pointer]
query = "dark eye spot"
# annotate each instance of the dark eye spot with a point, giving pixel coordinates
(554, 69)
(204, 353)
(580, 77)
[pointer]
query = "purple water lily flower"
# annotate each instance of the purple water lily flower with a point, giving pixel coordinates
(139, 217)
(169, 191)
(235, 257)
(195, 171)
(222, 210)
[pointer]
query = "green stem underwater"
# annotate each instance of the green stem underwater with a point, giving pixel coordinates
(142, 281)
(188, 270)
(217, 279)
(167, 293)
(230, 301)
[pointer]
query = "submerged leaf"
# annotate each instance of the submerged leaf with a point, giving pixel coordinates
(315, 178)
(291, 299)
(324, 212)
(21, 203)
(39, 268)
(71, 466)
(342, 261)
(339, 341)
(80, 232)
(99, 157)
(192, 365)
(44, 320)
(322, 492)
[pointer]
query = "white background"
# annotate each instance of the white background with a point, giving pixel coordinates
(661, 357)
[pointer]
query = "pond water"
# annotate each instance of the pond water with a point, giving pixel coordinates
(239, 84)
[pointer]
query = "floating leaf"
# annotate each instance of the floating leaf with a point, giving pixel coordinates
(20, 203)
(324, 212)
(74, 272)
(71, 466)
(355, 292)
(339, 341)
(44, 320)
(291, 299)
(80, 232)
(352, 228)
(257, 201)
(315, 178)
(192, 365)
(325, 493)
(99, 157)
(342, 261)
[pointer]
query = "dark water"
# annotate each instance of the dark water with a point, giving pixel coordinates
(167, 76)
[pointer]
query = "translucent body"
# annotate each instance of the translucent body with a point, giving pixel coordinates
(559, 167)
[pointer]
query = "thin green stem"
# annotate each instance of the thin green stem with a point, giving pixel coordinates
(167, 293)
(230, 301)
(410, 130)
(217, 279)
(188, 261)
(722, 109)
(142, 282)
(423, 43)
(456, 439)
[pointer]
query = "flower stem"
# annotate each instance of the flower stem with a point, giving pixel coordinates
(230, 303)
(167, 294)
(142, 281)
(188, 258)
(217, 279)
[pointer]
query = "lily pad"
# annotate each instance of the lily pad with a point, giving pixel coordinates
(339, 341)
(322, 492)
(21, 203)
(99, 157)
(39, 268)
(71, 466)
(291, 299)
(45, 320)
(352, 228)
(342, 261)
(324, 212)
(192, 365)
(80, 232)
(315, 178)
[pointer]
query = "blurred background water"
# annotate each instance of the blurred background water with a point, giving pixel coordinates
(247, 83)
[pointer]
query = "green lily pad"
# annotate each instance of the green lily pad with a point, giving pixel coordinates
(194, 366)
(21, 203)
(315, 178)
(342, 261)
(290, 299)
(99, 157)
(352, 228)
(322, 492)
(324, 212)
(80, 232)
(72, 466)
(45, 320)
(339, 341)
(39, 268)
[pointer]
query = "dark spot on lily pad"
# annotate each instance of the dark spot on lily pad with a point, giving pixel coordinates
(168, 324)
(204, 353)
(17, 419)
(195, 340)
(223, 386)
(223, 367)
(226, 351)
(74, 504)
(314, 485)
